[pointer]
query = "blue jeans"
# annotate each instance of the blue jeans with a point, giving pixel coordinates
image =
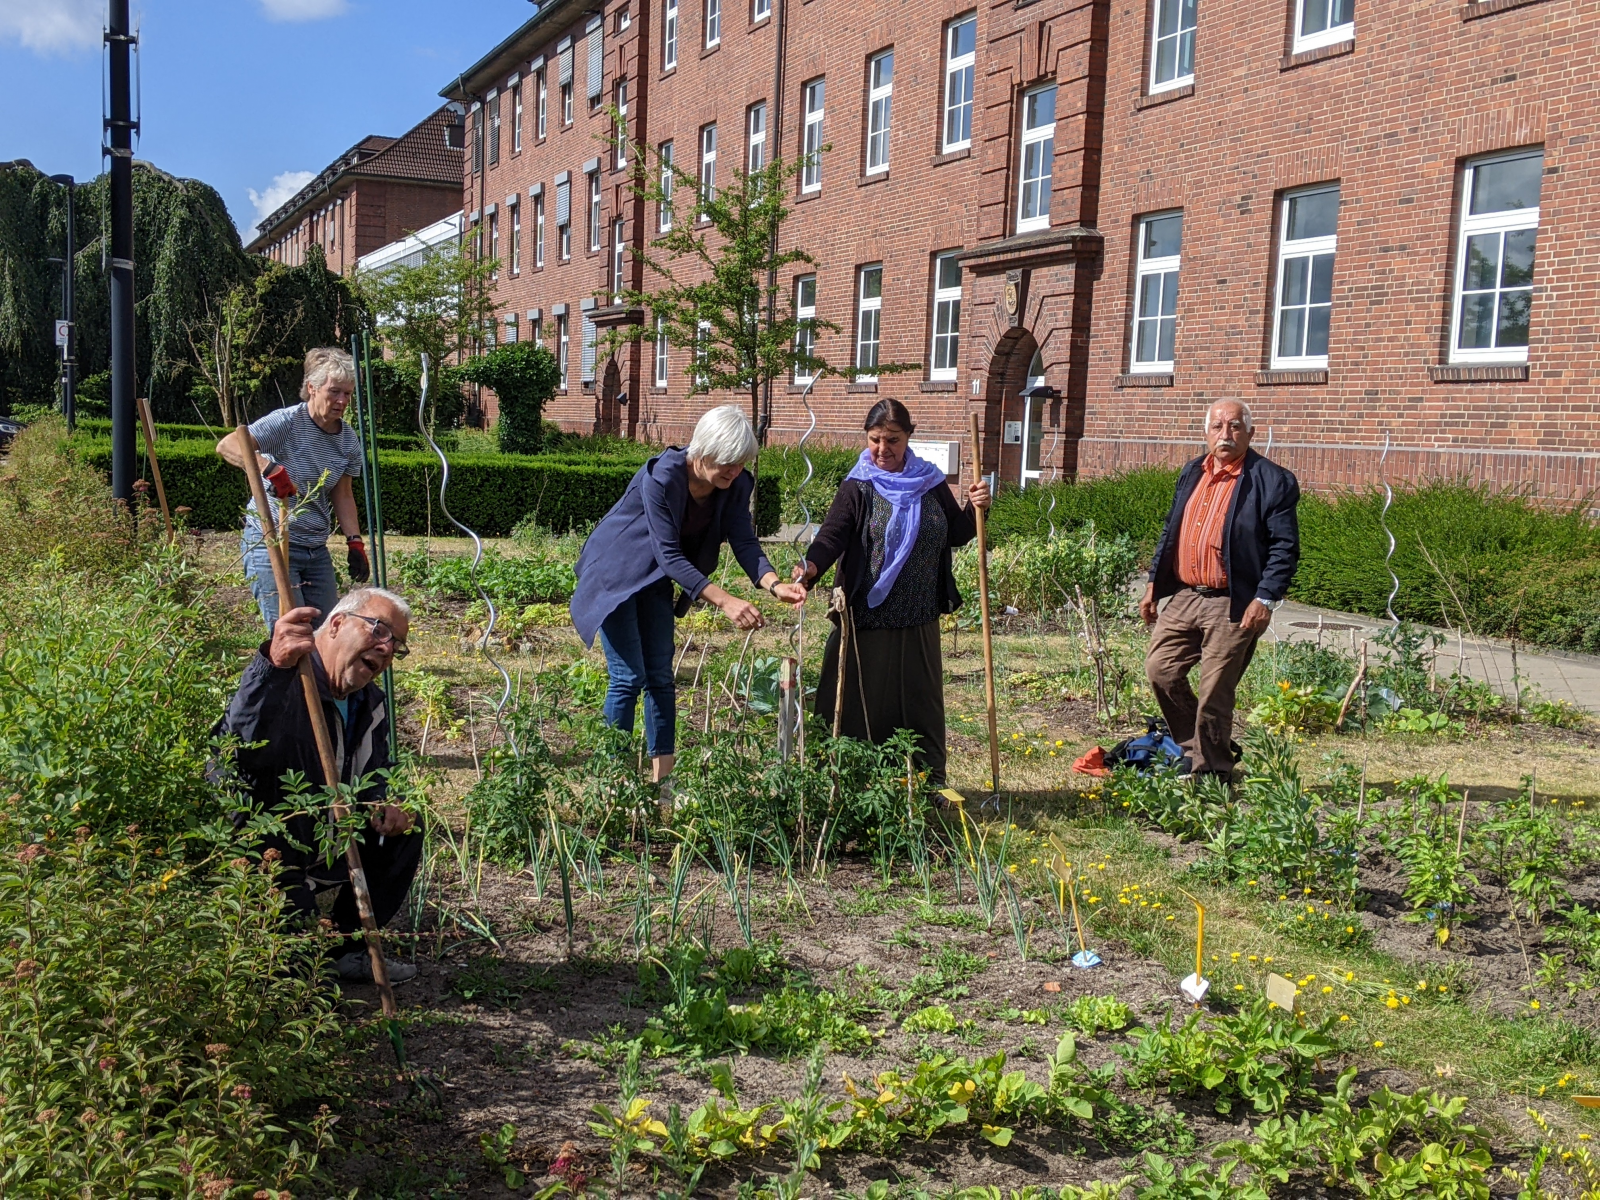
(638, 640)
(310, 575)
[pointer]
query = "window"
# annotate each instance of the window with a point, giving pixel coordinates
(543, 104)
(494, 129)
(621, 158)
(1323, 23)
(811, 146)
(1172, 45)
(946, 316)
(536, 330)
(760, 10)
(661, 352)
(669, 37)
(880, 94)
(805, 332)
(511, 328)
(758, 137)
(563, 347)
(516, 239)
(494, 242)
(566, 103)
(624, 21)
(1305, 278)
(960, 51)
(1155, 323)
(516, 118)
(713, 23)
(477, 139)
(1494, 268)
(869, 321)
(702, 335)
(1038, 149)
(594, 210)
(708, 164)
(664, 211)
(616, 261)
(538, 231)
(564, 219)
(590, 341)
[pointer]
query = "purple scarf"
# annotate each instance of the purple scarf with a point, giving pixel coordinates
(904, 491)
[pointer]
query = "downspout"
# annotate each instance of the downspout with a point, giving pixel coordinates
(777, 144)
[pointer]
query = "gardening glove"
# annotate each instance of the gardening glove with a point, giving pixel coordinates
(360, 568)
(282, 486)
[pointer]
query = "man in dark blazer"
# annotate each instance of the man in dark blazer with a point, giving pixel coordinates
(1226, 558)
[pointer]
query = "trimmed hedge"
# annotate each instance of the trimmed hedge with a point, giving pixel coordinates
(492, 494)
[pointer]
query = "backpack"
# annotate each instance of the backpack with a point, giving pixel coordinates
(1151, 750)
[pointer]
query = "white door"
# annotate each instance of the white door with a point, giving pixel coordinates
(1033, 411)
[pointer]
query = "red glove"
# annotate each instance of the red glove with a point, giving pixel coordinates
(282, 486)
(360, 568)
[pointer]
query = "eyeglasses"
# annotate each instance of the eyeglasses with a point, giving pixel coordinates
(381, 633)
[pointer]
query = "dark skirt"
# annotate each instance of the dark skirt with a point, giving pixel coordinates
(902, 677)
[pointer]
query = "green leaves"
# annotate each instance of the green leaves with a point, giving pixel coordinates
(524, 375)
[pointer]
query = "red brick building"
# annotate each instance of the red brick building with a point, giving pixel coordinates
(380, 189)
(1087, 219)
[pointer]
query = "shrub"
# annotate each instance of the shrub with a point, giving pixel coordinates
(523, 376)
(1133, 506)
(787, 464)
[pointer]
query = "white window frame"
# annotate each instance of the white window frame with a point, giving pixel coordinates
(713, 23)
(708, 165)
(661, 353)
(622, 125)
(516, 240)
(669, 37)
(564, 241)
(960, 71)
(594, 211)
(494, 242)
(538, 232)
(1038, 142)
(701, 331)
(1468, 225)
(536, 330)
(494, 129)
(516, 117)
(869, 323)
(805, 333)
(624, 20)
(1330, 35)
(566, 103)
(563, 347)
(511, 329)
(944, 351)
(664, 210)
(544, 104)
(760, 10)
(880, 110)
(617, 261)
(1309, 248)
(814, 93)
(1154, 268)
(1175, 36)
(755, 124)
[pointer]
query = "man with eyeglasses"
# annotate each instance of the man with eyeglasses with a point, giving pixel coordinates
(364, 634)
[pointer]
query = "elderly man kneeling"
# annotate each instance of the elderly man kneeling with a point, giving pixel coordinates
(365, 632)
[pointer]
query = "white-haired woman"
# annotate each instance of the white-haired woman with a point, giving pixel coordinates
(669, 528)
(308, 457)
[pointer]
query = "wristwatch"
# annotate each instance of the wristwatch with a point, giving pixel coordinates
(1274, 605)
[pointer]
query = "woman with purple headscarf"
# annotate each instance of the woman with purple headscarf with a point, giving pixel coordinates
(891, 528)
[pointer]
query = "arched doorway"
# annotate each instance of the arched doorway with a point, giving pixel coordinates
(1024, 410)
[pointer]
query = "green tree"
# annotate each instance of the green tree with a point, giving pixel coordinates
(716, 282)
(523, 376)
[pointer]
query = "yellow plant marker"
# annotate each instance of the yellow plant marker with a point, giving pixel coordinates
(1196, 986)
(1588, 1101)
(960, 801)
(1280, 991)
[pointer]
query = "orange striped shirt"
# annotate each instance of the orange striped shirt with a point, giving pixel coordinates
(1204, 519)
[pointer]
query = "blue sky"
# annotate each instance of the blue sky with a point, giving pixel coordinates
(243, 94)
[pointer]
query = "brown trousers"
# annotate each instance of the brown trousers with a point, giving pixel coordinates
(1195, 629)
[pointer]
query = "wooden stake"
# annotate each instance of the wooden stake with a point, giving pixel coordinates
(841, 604)
(1461, 826)
(983, 608)
(319, 724)
(1355, 683)
(149, 428)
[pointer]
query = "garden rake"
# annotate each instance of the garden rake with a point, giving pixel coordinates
(248, 451)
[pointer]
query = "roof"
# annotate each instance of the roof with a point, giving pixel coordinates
(420, 155)
(523, 43)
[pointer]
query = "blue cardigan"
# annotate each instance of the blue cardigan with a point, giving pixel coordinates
(1260, 543)
(636, 543)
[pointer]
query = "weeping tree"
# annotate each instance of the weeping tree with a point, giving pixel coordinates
(523, 376)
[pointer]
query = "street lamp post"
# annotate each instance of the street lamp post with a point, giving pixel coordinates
(120, 126)
(68, 342)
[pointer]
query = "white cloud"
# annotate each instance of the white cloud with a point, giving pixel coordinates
(53, 26)
(297, 10)
(280, 189)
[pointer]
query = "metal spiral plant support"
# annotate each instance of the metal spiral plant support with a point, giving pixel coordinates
(1383, 521)
(1055, 442)
(477, 559)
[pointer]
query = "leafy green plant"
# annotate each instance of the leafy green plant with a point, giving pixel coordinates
(523, 376)
(936, 1018)
(1165, 1180)
(1091, 1015)
(1294, 710)
(497, 1146)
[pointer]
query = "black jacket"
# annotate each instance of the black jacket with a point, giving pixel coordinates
(1260, 543)
(270, 708)
(844, 538)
